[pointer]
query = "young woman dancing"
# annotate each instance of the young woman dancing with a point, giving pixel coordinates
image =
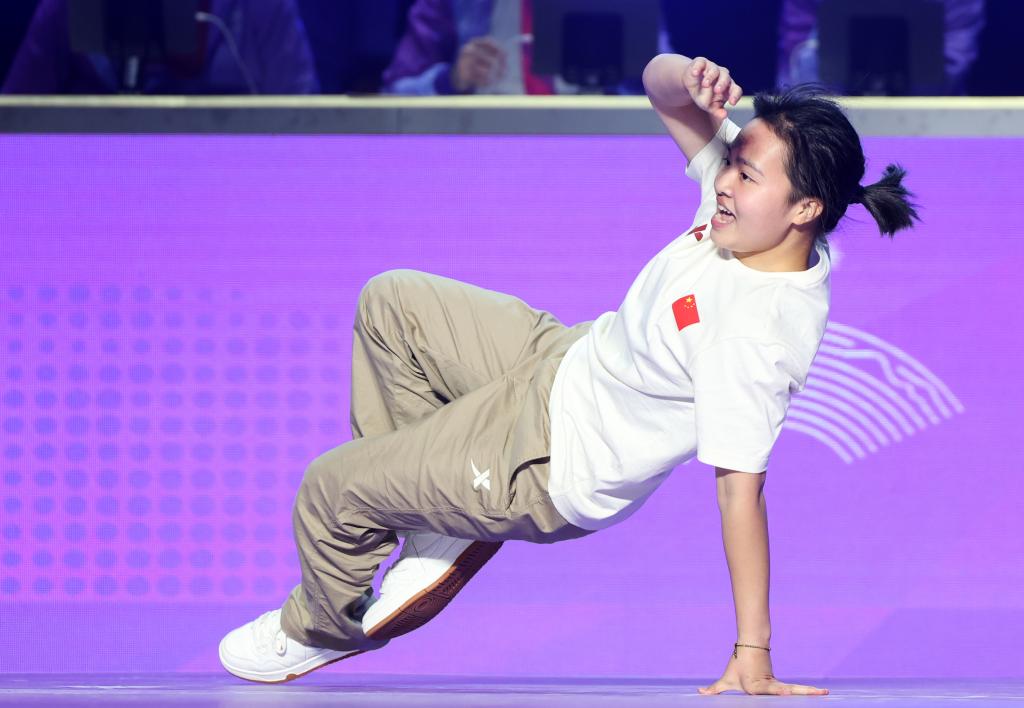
(477, 419)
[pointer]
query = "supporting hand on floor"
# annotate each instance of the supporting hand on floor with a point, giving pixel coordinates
(752, 673)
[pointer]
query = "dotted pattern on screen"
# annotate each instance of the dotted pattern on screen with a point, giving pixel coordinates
(154, 438)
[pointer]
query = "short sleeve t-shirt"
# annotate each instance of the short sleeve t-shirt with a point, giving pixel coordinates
(699, 360)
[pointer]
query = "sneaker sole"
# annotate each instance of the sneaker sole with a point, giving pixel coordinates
(290, 676)
(428, 603)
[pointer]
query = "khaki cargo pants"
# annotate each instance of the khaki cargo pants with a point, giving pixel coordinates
(451, 434)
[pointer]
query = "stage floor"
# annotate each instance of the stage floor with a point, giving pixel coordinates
(334, 689)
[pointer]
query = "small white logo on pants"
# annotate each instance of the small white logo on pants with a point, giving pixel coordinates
(481, 478)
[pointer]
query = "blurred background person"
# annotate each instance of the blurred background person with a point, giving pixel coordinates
(423, 47)
(273, 55)
(467, 46)
(799, 46)
(478, 46)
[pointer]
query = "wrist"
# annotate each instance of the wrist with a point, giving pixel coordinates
(760, 638)
(751, 642)
(447, 82)
(751, 653)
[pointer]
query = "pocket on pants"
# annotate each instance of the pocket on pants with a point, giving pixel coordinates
(481, 444)
(530, 439)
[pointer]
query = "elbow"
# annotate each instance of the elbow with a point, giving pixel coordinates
(655, 69)
(648, 76)
(653, 63)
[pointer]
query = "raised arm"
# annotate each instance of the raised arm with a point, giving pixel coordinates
(690, 98)
(745, 535)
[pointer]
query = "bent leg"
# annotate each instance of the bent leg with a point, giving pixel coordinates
(422, 340)
(452, 472)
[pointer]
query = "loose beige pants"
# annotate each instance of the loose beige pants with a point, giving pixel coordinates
(450, 384)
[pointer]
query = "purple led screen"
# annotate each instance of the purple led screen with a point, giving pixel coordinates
(176, 315)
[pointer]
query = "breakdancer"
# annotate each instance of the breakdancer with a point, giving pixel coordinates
(477, 419)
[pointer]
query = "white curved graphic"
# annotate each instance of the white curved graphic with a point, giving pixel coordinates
(863, 394)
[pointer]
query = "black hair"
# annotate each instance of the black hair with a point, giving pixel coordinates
(825, 160)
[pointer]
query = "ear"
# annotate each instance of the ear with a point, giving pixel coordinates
(807, 210)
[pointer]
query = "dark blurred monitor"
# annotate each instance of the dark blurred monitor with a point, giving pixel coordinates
(595, 43)
(882, 48)
(133, 32)
(17, 14)
(353, 41)
(998, 49)
(741, 35)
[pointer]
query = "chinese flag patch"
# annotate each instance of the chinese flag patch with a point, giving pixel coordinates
(696, 231)
(685, 311)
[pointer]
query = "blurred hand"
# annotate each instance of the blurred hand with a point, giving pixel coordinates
(752, 674)
(480, 63)
(711, 86)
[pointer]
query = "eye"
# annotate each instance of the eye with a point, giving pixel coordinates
(746, 177)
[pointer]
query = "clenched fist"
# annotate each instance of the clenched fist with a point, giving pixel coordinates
(711, 86)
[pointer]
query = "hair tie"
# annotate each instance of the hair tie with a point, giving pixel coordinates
(858, 195)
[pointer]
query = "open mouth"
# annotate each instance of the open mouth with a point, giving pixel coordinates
(724, 216)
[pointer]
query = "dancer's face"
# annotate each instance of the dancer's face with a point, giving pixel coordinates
(753, 185)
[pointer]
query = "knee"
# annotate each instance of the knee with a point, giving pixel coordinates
(385, 286)
(389, 292)
(314, 489)
(376, 293)
(329, 491)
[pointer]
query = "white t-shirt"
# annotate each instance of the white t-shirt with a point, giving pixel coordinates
(700, 359)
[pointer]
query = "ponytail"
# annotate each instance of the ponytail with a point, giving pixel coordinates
(888, 201)
(826, 160)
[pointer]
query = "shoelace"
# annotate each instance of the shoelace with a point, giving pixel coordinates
(265, 633)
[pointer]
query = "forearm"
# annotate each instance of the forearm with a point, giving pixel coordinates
(745, 535)
(663, 80)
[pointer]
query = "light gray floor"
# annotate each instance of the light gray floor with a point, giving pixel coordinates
(219, 690)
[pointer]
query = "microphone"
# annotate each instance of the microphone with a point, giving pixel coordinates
(210, 18)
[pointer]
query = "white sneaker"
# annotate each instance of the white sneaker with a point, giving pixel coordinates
(261, 651)
(429, 571)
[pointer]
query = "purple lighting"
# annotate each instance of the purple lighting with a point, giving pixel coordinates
(175, 331)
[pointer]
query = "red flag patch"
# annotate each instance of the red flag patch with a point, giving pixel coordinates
(696, 231)
(685, 311)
